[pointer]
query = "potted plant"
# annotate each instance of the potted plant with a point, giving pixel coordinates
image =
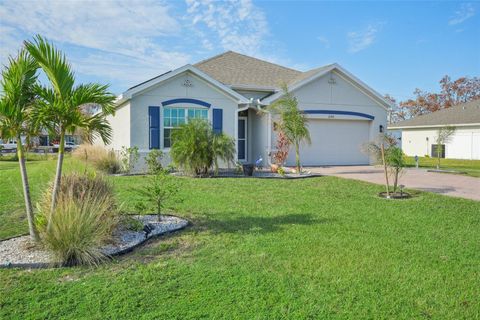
(248, 169)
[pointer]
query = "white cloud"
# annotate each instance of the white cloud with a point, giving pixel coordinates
(324, 40)
(465, 12)
(362, 39)
(122, 34)
(126, 42)
(236, 25)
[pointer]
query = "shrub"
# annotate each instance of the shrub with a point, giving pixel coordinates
(84, 218)
(283, 146)
(129, 157)
(153, 159)
(195, 148)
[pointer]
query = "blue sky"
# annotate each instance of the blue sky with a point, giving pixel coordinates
(394, 47)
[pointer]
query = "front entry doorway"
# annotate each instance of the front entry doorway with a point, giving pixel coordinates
(242, 139)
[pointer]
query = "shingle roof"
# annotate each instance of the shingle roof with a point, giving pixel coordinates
(235, 69)
(238, 70)
(466, 113)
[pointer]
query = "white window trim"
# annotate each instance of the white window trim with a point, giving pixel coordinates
(162, 118)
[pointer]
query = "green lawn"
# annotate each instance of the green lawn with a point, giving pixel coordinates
(321, 248)
(470, 167)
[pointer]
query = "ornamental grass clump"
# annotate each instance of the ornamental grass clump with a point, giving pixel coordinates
(109, 163)
(101, 158)
(84, 219)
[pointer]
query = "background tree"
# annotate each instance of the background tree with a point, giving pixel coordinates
(462, 90)
(61, 104)
(444, 135)
(293, 122)
(16, 102)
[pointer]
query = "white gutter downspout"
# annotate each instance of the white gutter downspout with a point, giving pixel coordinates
(258, 106)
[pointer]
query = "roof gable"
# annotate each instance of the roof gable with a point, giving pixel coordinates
(314, 74)
(462, 114)
(127, 95)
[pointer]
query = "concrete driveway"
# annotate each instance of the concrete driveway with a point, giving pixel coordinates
(443, 183)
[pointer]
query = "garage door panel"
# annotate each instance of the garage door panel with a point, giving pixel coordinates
(334, 142)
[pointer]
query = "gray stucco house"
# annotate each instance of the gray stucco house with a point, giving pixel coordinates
(229, 89)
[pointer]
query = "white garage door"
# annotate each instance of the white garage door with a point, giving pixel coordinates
(334, 142)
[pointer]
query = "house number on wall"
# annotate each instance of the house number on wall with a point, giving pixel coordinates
(331, 116)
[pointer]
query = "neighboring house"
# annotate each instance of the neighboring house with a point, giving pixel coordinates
(419, 134)
(231, 90)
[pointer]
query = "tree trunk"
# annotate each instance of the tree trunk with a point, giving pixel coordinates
(297, 157)
(58, 174)
(26, 191)
(395, 181)
(382, 148)
(159, 211)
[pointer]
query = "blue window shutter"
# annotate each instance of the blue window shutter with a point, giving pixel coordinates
(154, 127)
(217, 121)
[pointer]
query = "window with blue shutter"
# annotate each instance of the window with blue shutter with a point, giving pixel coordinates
(217, 121)
(154, 127)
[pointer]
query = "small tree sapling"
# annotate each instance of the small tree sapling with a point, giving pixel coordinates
(159, 193)
(444, 135)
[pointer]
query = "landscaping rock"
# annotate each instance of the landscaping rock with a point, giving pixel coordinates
(22, 252)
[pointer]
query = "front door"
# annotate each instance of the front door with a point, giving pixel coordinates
(242, 138)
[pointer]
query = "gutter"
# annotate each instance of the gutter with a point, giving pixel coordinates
(433, 126)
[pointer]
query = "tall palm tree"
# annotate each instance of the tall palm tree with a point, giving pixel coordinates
(294, 123)
(17, 98)
(61, 105)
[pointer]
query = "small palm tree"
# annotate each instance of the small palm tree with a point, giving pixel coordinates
(61, 107)
(17, 98)
(196, 148)
(223, 147)
(191, 144)
(294, 123)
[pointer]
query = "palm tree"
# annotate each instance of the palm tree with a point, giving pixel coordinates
(17, 98)
(223, 147)
(294, 123)
(61, 105)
